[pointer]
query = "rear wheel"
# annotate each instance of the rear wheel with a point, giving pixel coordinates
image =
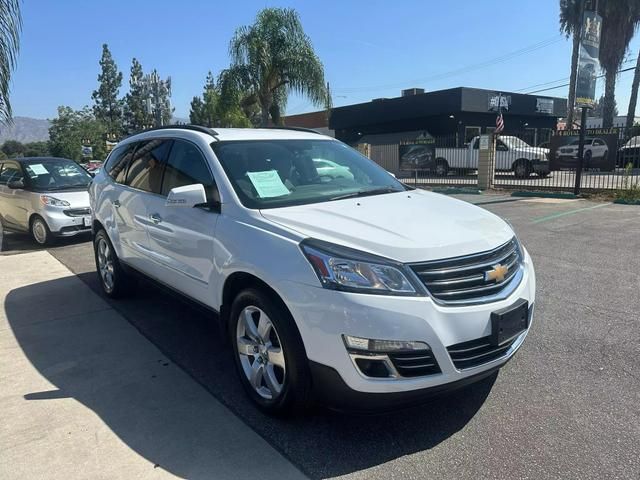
(114, 280)
(40, 231)
(269, 354)
(522, 168)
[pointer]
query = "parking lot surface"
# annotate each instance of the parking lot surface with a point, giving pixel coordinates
(565, 407)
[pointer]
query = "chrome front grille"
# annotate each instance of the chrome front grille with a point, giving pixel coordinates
(415, 363)
(478, 278)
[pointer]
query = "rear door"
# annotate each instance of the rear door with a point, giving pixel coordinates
(182, 239)
(137, 182)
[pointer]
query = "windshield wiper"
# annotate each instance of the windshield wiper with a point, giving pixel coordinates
(365, 193)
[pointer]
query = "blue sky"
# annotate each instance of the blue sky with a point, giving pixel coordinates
(369, 48)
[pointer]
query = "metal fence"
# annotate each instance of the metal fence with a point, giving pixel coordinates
(611, 161)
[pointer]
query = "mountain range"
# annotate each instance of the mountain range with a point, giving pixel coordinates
(25, 129)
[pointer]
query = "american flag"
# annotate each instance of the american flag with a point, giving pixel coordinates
(499, 123)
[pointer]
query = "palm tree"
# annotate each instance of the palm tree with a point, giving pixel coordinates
(631, 111)
(10, 28)
(571, 12)
(270, 59)
(619, 21)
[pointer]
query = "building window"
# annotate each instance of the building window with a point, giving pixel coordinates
(470, 133)
(544, 135)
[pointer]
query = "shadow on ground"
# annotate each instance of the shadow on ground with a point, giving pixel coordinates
(323, 444)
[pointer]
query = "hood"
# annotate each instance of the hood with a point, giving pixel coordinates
(411, 226)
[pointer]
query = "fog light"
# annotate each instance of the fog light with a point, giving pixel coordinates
(371, 345)
(373, 368)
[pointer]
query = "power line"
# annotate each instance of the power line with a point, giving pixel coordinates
(468, 68)
(566, 84)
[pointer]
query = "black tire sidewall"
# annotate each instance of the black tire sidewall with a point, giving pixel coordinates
(294, 395)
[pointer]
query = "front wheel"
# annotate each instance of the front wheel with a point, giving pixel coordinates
(442, 167)
(114, 280)
(269, 354)
(40, 231)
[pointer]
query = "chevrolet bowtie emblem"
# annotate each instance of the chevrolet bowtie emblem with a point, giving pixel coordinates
(497, 273)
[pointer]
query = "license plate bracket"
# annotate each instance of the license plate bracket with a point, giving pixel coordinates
(509, 322)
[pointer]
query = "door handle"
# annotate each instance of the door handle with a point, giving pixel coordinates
(116, 203)
(155, 218)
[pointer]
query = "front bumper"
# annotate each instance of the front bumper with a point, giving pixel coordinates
(541, 166)
(323, 316)
(66, 224)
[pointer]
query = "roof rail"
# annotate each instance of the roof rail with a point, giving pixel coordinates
(195, 128)
(298, 129)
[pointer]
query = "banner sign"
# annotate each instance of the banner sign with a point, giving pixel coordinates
(544, 105)
(418, 155)
(600, 149)
(588, 63)
(497, 101)
(87, 151)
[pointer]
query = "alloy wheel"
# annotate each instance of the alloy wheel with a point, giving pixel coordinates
(105, 265)
(260, 352)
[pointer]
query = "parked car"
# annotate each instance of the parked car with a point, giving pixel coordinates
(629, 153)
(44, 196)
(596, 154)
(330, 170)
(357, 292)
(512, 154)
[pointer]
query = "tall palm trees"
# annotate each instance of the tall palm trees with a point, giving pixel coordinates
(271, 58)
(571, 25)
(10, 28)
(631, 111)
(619, 21)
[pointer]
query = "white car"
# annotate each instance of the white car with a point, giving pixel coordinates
(44, 196)
(356, 292)
(594, 148)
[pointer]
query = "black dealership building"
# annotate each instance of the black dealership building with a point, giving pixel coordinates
(457, 113)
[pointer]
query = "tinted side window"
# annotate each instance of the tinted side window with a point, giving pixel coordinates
(186, 165)
(147, 163)
(10, 171)
(117, 164)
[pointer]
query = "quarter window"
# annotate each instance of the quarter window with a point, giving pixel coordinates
(145, 169)
(117, 164)
(187, 166)
(10, 172)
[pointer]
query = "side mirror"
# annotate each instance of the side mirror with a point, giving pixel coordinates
(15, 184)
(188, 196)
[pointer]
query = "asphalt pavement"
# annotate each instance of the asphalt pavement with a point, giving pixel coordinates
(567, 406)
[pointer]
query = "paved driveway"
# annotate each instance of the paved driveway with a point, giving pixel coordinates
(566, 407)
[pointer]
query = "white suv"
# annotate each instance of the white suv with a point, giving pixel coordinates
(354, 290)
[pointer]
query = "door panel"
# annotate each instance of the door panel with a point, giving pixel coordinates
(182, 239)
(14, 201)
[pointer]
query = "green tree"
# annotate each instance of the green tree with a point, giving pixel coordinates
(196, 113)
(11, 26)
(108, 107)
(72, 128)
(214, 109)
(36, 149)
(136, 113)
(619, 21)
(571, 12)
(270, 59)
(13, 148)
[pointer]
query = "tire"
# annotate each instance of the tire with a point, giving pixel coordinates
(543, 174)
(115, 282)
(522, 168)
(269, 355)
(40, 231)
(587, 159)
(442, 167)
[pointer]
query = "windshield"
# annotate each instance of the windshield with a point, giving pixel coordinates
(515, 142)
(281, 173)
(56, 175)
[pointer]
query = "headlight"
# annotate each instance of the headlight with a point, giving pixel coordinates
(54, 202)
(341, 268)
